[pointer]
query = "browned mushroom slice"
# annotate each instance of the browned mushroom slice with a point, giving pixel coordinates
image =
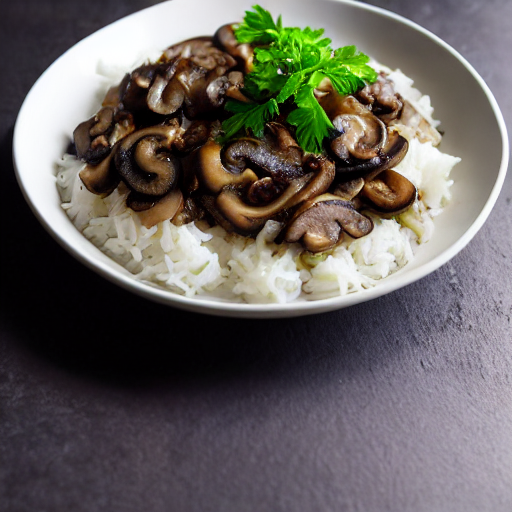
(236, 84)
(194, 135)
(319, 224)
(212, 174)
(347, 190)
(204, 92)
(263, 191)
(243, 53)
(198, 90)
(165, 208)
(135, 86)
(316, 182)
(284, 142)
(364, 144)
(382, 99)
(165, 96)
(91, 136)
(123, 126)
(190, 212)
(362, 135)
(324, 173)
(196, 46)
(101, 179)
(246, 219)
(389, 193)
(202, 52)
(388, 156)
(144, 161)
(423, 129)
(282, 166)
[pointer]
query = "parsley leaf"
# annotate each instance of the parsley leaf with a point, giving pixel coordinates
(289, 63)
(258, 27)
(251, 116)
(311, 121)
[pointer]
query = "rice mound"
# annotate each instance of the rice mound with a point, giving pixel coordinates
(199, 260)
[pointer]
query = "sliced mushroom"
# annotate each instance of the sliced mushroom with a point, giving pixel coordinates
(236, 84)
(324, 173)
(212, 174)
(100, 179)
(124, 124)
(90, 137)
(246, 219)
(202, 52)
(284, 142)
(144, 161)
(199, 90)
(165, 208)
(204, 91)
(194, 134)
(190, 212)
(382, 99)
(347, 190)
(263, 191)
(389, 193)
(184, 49)
(389, 156)
(364, 145)
(258, 155)
(418, 124)
(362, 135)
(165, 95)
(242, 52)
(319, 224)
(135, 86)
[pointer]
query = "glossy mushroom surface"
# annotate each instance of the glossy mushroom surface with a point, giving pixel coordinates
(319, 224)
(158, 131)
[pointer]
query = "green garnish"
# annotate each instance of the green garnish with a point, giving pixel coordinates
(289, 63)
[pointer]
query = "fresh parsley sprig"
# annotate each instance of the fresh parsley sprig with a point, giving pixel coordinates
(289, 63)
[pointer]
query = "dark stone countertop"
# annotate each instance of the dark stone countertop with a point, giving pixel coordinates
(403, 403)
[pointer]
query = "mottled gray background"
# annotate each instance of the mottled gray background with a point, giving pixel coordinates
(400, 404)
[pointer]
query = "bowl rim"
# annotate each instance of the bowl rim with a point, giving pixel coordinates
(201, 304)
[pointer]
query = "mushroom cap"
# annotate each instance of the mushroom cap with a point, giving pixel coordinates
(202, 52)
(382, 99)
(364, 144)
(225, 39)
(388, 156)
(389, 193)
(165, 95)
(324, 174)
(135, 86)
(347, 190)
(164, 208)
(319, 224)
(144, 161)
(361, 134)
(257, 154)
(212, 174)
(91, 137)
(248, 219)
(100, 179)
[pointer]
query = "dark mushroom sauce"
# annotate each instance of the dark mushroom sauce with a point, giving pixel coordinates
(159, 132)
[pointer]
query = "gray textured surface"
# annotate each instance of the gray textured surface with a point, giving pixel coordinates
(400, 404)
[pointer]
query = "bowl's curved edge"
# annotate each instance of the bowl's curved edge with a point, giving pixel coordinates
(273, 310)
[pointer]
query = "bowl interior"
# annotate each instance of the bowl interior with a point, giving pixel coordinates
(67, 93)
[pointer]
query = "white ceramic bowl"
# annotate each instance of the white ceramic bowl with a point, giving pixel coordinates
(66, 94)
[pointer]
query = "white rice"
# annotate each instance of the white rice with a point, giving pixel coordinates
(197, 260)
